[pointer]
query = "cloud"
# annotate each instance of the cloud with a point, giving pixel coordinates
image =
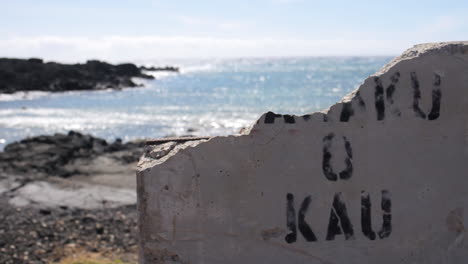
(128, 48)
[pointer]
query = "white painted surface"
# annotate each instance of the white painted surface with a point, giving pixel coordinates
(225, 200)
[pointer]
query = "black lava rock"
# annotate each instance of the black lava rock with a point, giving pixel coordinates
(31, 235)
(49, 155)
(35, 75)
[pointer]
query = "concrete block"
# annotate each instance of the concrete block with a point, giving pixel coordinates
(380, 177)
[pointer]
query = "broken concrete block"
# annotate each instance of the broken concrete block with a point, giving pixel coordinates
(380, 177)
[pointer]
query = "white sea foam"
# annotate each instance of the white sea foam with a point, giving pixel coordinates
(24, 122)
(34, 95)
(198, 68)
(23, 96)
(158, 75)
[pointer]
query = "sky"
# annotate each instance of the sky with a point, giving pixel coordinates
(132, 30)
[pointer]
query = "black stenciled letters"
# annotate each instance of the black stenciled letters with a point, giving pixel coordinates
(379, 99)
(339, 222)
(326, 161)
(379, 94)
(346, 112)
(387, 215)
(366, 223)
(291, 219)
(339, 216)
(392, 87)
(436, 97)
(270, 117)
(304, 228)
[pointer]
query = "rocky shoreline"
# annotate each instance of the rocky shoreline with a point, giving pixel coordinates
(70, 169)
(63, 155)
(34, 75)
(68, 192)
(63, 194)
(38, 235)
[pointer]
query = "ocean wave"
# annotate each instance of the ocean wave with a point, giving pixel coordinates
(34, 95)
(158, 75)
(20, 123)
(198, 68)
(23, 96)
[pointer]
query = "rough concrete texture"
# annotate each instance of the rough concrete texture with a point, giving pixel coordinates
(378, 178)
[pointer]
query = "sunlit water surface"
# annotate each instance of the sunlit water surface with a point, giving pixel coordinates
(208, 97)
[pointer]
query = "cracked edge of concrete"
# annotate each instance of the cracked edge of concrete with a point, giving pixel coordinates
(170, 149)
(158, 154)
(419, 50)
(423, 49)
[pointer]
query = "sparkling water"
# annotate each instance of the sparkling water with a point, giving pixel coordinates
(208, 97)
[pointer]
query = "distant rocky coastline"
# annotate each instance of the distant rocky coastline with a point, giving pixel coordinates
(35, 75)
(165, 68)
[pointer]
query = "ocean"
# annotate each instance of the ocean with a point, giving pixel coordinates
(208, 97)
